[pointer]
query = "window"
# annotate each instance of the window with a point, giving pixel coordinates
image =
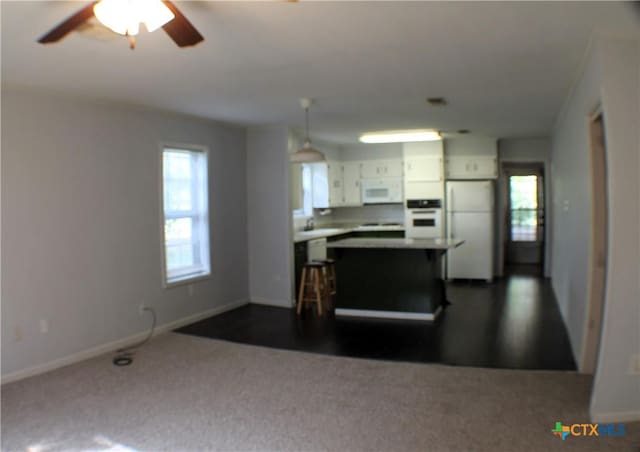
(306, 209)
(186, 214)
(523, 196)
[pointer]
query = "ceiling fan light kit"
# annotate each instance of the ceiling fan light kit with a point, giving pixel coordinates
(125, 16)
(307, 153)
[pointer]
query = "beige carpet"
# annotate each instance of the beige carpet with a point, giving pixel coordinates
(192, 394)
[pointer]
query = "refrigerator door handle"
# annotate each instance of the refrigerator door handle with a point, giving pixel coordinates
(449, 213)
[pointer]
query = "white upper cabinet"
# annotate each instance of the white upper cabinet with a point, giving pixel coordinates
(471, 157)
(327, 185)
(471, 167)
(351, 175)
(423, 169)
(372, 169)
(423, 162)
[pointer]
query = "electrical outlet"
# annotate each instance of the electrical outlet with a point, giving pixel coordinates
(141, 308)
(44, 326)
(634, 365)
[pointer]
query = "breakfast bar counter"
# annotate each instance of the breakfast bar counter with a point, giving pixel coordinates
(395, 278)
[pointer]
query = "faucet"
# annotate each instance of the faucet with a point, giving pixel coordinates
(309, 225)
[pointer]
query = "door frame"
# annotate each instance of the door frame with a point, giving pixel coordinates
(598, 243)
(515, 168)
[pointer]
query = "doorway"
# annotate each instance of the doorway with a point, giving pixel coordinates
(598, 248)
(525, 218)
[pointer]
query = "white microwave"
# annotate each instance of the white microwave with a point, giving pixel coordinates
(382, 191)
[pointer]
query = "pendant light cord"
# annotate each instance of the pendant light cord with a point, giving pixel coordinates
(306, 115)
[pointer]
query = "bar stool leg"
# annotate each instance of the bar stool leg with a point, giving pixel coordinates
(317, 287)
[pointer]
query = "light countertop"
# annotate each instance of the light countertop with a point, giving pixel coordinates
(397, 243)
(319, 233)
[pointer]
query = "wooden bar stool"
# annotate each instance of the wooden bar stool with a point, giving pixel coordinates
(329, 273)
(312, 286)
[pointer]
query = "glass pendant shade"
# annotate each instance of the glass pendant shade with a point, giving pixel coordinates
(124, 16)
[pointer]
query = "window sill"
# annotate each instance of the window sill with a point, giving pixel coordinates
(186, 280)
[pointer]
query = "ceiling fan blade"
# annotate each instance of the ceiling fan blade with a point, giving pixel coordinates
(68, 25)
(180, 29)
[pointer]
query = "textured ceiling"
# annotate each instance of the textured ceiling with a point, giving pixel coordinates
(505, 68)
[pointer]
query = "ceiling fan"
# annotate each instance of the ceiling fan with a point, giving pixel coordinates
(124, 17)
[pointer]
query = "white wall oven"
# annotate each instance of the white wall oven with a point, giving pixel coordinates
(423, 219)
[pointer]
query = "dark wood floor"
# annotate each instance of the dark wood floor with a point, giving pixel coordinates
(513, 323)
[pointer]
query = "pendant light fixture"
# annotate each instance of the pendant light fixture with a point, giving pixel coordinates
(307, 154)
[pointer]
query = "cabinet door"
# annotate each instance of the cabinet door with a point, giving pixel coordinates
(468, 167)
(352, 194)
(423, 168)
(485, 167)
(460, 167)
(335, 184)
(391, 168)
(371, 169)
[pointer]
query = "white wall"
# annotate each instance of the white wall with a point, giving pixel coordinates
(365, 151)
(610, 77)
(81, 224)
(571, 204)
(616, 394)
(269, 216)
(525, 150)
(470, 145)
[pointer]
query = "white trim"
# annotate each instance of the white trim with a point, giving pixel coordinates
(388, 314)
(622, 416)
(270, 302)
(166, 284)
(117, 344)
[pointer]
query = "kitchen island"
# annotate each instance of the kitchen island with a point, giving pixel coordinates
(395, 278)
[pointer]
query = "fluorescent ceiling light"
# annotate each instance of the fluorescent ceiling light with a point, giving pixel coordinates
(401, 136)
(124, 16)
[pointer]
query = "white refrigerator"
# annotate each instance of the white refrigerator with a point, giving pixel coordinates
(470, 214)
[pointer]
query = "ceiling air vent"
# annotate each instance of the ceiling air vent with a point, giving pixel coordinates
(437, 101)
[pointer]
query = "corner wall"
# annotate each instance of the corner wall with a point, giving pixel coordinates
(269, 216)
(610, 78)
(81, 223)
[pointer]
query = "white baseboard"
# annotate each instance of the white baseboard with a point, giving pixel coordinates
(270, 302)
(388, 314)
(623, 416)
(120, 343)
